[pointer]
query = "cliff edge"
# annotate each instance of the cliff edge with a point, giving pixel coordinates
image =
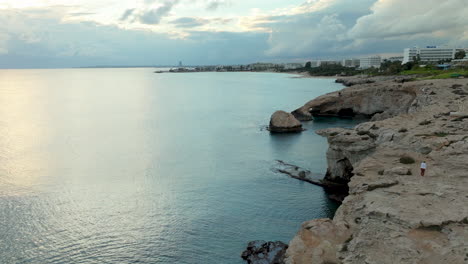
(392, 214)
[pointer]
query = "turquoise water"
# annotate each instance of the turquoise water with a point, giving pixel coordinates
(128, 166)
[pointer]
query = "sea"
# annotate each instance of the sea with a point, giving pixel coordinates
(124, 165)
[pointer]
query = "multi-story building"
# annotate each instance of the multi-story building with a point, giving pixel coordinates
(396, 58)
(430, 53)
(329, 62)
(292, 66)
(262, 66)
(351, 62)
(314, 63)
(369, 62)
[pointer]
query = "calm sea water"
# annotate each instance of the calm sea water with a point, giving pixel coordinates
(129, 166)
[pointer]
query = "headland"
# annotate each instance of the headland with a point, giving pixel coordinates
(392, 214)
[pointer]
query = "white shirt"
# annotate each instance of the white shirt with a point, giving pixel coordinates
(423, 165)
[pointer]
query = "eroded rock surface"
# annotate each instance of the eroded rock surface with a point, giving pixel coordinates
(392, 214)
(355, 80)
(381, 101)
(284, 122)
(336, 190)
(262, 252)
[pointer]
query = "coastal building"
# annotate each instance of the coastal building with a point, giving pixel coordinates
(260, 66)
(429, 54)
(314, 63)
(352, 63)
(292, 66)
(396, 58)
(369, 62)
(329, 62)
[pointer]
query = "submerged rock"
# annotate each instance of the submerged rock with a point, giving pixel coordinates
(262, 252)
(335, 191)
(283, 122)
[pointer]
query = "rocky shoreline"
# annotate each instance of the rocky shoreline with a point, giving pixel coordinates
(392, 214)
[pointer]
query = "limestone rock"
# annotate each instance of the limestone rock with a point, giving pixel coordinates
(354, 81)
(398, 171)
(317, 242)
(390, 216)
(302, 115)
(283, 122)
(262, 252)
(383, 100)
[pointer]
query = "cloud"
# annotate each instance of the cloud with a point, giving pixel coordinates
(215, 4)
(127, 14)
(147, 34)
(316, 28)
(340, 28)
(149, 14)
(418, 18)
(78, 14)
(191, 22)
(32, 41)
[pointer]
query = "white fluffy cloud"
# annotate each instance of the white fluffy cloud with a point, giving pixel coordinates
(402, 18)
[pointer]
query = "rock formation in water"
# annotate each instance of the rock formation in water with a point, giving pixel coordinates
(392, 214)
(337, 190)
(284, 122)
(371, 100)
(262, 252)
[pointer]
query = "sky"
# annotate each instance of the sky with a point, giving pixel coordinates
(80, 33)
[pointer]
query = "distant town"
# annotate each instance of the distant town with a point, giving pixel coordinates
(441, 57)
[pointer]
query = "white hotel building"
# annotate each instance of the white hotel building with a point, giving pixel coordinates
(430, 53)
(369, 62)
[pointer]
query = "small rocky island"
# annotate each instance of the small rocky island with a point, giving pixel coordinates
(284, 122)
(392, 214)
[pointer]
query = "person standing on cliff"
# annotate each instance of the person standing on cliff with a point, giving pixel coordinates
(423, 168)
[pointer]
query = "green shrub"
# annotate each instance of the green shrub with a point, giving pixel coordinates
(403, 130)
(380, 172)
(407, 160)
(332, 134)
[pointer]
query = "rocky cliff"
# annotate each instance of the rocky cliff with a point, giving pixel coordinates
(392, 214)
(377, 100)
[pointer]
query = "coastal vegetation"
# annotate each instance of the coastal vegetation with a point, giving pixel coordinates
(332, 70)
(412, 68)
